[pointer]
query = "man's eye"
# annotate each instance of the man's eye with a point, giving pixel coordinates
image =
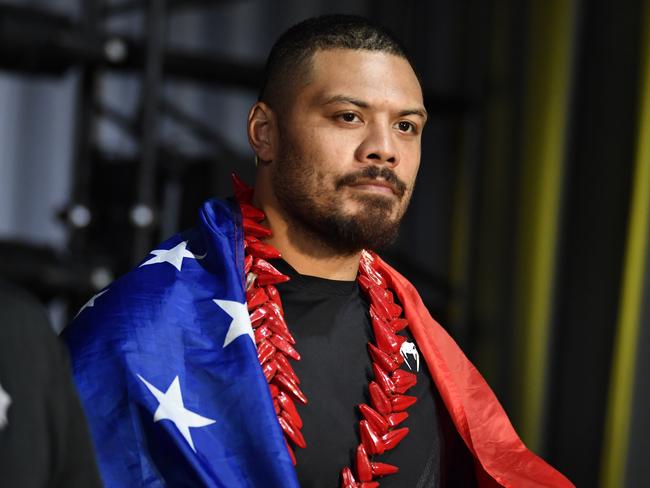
(349, 117)
(406, 126)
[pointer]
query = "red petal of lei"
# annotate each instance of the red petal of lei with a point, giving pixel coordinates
(374, 418)
(243, 192)
(250, 212)
(347, 479)
(396, 418)
(382, 469)
(287, 404)
(379, 399)
(370, 439)
(364, 469)
(289, 386)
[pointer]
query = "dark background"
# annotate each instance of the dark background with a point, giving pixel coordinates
(528, 235)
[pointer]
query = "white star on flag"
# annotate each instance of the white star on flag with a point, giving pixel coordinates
(241, 321)
(90, 303)
(171, 407)
(173, 256)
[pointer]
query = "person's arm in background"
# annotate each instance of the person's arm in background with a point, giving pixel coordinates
(45, 441)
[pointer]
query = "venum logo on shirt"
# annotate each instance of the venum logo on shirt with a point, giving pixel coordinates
(5, 401)
(407, 350)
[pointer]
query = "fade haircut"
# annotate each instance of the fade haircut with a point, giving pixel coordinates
(291, 57)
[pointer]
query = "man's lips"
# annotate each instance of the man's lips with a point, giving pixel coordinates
(379, 186)
(374, 179)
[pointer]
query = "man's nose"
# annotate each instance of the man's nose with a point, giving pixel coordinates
(379, 146)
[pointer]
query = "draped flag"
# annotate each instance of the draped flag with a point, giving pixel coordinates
(167, 370)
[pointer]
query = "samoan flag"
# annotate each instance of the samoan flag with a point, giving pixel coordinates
(167, 371)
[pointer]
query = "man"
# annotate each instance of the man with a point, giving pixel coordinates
(44, 440)
(343, 372)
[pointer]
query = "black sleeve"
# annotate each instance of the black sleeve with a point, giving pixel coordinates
(45, 442)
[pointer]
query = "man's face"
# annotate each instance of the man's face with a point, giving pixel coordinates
(350, 149)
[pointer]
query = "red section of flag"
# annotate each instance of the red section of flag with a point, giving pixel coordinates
(502, 458)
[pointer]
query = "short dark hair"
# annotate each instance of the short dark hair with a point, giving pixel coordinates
(292, 53)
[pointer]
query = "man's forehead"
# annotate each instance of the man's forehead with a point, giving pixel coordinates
(330, 61)
(370, 77)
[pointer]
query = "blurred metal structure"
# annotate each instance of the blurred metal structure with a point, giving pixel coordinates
(41, 42)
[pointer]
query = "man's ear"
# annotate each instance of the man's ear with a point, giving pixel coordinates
(262, 131)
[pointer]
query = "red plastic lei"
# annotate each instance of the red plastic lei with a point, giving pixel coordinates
(275, 347)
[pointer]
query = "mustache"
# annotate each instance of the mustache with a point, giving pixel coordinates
(374, 173)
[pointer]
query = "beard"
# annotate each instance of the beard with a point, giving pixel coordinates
(313, 208)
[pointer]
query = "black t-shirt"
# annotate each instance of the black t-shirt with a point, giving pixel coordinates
(44, 441)
(330, 322)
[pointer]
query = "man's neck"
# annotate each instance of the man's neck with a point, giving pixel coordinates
(303, 252)
(306, 256)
